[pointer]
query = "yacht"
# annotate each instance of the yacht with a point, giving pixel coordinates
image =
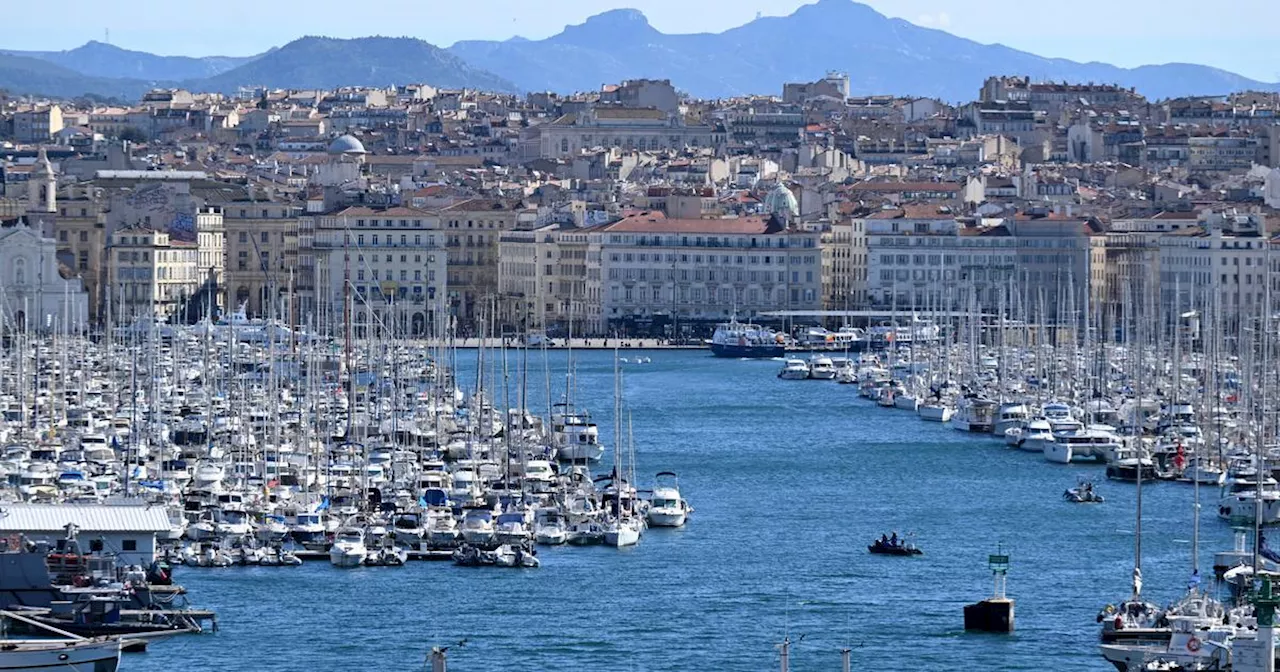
(822, 368)
(307, 528)
(667, 508)
(477, 527)
(738, 340)
(510, 528)
(408, 529)
(1083, 444)
(549, 528)
(348, 548)
(576, 437)
(1034, 438)
(794, 369)
(1010, 415)
(974, 414)
(1130, 464)
(1239, 497)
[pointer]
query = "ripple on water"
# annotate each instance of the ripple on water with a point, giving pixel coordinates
(790, 480)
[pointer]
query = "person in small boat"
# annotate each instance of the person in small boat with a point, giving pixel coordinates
(884, 540)
(893, 540)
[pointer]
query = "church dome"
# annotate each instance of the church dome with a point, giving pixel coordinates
(346, 144)
(781, 201)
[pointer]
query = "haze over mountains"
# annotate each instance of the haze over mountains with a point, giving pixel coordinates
(881, 55)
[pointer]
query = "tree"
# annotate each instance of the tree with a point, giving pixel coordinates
(132, 134)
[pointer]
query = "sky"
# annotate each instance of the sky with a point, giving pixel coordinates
(1236, 35)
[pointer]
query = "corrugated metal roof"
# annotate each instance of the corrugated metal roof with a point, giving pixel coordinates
(87, 517)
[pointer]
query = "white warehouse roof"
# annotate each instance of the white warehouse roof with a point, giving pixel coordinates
(89, 518)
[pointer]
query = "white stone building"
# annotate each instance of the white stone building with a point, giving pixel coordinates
(394, 261)
(150, 275)
(33, 291)
(695, 272)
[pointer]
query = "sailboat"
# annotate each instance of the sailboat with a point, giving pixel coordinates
(624, 525)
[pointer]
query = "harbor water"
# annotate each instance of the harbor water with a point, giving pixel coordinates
(790, 481)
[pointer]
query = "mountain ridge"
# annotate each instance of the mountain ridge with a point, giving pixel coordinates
(100, 59)
(882, 55)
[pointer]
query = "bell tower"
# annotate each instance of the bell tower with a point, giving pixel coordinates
(42, 188)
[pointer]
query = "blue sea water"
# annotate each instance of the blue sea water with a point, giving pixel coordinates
(790, 481)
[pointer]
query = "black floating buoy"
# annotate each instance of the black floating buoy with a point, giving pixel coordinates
(994, 615)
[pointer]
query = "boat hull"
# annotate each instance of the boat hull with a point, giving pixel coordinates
(747, 351)
(666, 518)
(347, 558)
(82, 656)
(935, 413)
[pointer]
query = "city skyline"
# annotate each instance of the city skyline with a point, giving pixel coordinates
(1137, 33)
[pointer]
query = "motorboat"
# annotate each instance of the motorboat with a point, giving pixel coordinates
(348, 548)
(1083, 494)
(272, 529)
(794, 369)
(515, 555)
(1083, 443)
(1035, 437)
(576, 437)
(666, 507)
(1239, 500)
(477, 527)
(1128, 465)
(974, 414)
(893, 546)
(408, 529)
(510, 528)
(1010, 415)
(549, 528)
(822, 368)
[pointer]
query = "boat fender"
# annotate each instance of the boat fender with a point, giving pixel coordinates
(1193, 645)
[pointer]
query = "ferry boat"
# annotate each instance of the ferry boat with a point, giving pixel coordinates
(739, 339)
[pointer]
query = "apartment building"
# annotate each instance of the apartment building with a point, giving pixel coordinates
(549, 278)
(149, 275)
(472, 229)
(1222, 259)
(261, 253)
(388, 264)
(681, 276)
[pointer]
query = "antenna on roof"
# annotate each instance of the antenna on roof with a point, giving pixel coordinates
(106, 37)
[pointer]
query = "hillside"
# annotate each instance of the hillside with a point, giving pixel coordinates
(97, 59)
(881, 55)
(322, 62)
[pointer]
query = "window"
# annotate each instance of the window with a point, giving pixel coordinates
(265, 235)
(129, 545)
(84, 236)
(62, 235)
